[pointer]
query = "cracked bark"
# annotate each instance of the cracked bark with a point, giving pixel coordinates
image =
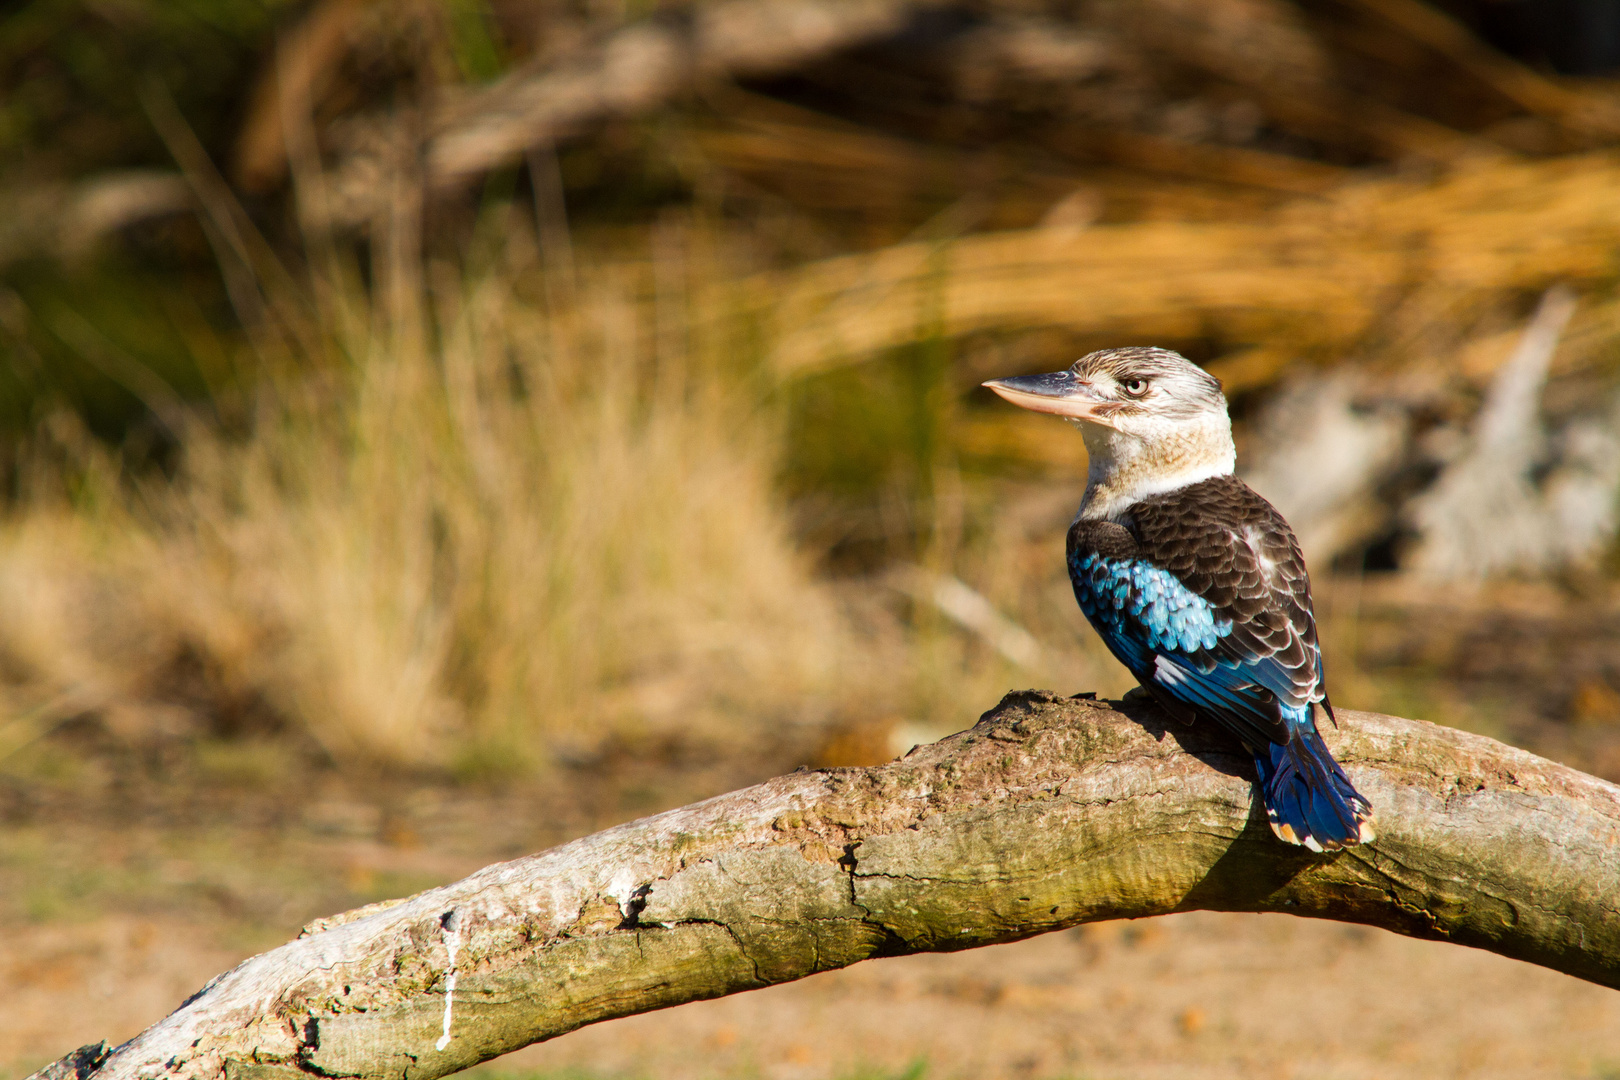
(1049, 812)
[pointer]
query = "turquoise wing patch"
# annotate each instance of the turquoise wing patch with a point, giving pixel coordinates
(1135, 599)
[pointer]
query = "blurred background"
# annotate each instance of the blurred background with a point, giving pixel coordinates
(432, 430)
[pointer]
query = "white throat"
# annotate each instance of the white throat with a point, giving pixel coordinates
(1126, 468)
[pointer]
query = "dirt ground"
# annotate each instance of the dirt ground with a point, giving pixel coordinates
(117, 909)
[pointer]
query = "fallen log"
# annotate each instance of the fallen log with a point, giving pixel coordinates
(1049, 812)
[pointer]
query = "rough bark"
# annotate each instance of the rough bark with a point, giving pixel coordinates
(1050, 812)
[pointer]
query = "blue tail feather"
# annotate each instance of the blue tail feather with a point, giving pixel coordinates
(1308, 798)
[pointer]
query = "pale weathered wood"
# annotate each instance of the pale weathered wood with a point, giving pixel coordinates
(627, 71)
(1050, 812)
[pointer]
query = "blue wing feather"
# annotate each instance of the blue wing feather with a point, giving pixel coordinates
(1170, 637)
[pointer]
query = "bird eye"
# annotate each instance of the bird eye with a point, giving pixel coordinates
(1135, 387)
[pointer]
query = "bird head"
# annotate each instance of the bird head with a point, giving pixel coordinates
(1146, 392)
(1153, 420)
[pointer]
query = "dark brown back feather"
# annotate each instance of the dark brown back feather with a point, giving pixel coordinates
(1212, 536)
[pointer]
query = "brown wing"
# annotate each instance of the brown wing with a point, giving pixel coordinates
(1233, 549)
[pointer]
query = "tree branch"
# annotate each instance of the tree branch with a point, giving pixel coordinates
(1048, 813)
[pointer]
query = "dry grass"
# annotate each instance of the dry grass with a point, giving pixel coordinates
(472, 533)
(512, 531)
(1399, 268)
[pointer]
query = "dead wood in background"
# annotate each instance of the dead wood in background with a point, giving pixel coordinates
(1048, 813)
(1242, 92)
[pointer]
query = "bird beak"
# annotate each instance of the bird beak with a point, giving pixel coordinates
(1058, 393)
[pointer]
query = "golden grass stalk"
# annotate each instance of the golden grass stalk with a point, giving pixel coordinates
(1315, 277)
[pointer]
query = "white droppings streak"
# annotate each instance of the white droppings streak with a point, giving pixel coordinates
(451, 922)
(622, 888)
